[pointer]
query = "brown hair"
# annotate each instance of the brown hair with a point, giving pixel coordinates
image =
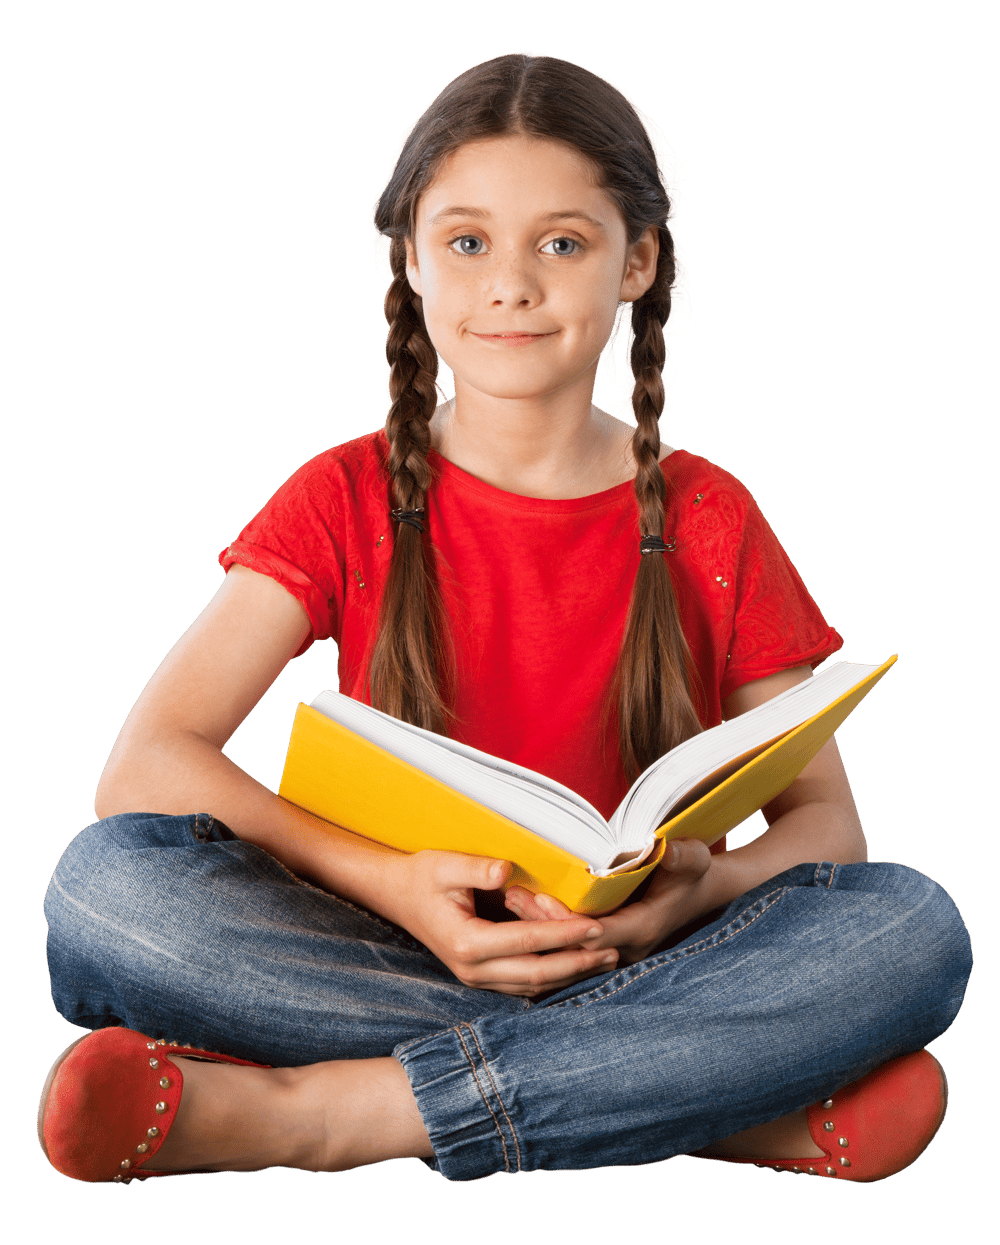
(549, 99)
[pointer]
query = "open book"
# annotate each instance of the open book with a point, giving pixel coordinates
(412, 789)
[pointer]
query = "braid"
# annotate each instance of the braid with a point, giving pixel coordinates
(651, 682)
(403, 674)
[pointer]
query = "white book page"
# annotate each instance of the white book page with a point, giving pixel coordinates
(667, 781)
(540, 804)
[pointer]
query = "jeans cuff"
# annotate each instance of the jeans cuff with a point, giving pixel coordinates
(466, 1120)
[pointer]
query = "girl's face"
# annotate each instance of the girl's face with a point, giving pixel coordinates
(521, 262)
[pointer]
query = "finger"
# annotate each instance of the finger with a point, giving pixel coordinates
(525, 906)
(484, 940)
(553, 909)
(531, 907)
(456, 871)
(529, 975)
(686, 856)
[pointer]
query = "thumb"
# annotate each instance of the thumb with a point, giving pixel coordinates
(454, 869)
(686, 856)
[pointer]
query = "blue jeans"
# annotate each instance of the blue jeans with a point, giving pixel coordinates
(174, 927)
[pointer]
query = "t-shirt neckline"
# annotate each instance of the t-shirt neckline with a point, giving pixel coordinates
(488, 492)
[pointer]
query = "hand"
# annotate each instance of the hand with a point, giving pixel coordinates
(682, 888)
(436, 904)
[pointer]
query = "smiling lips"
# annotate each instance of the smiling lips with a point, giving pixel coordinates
(512, 339)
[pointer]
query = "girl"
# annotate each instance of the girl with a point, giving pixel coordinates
(522, 571)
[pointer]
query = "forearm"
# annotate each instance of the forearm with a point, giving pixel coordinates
(188, 774)
(811, 831)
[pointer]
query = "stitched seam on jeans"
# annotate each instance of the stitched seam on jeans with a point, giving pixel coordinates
(696, 950)
(475, 1074)
(820, 869)
(486, 1065)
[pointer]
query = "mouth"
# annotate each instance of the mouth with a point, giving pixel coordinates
(513, 339)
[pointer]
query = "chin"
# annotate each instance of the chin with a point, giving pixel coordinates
(495, 382)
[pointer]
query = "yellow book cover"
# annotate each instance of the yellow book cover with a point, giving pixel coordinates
(335, 773)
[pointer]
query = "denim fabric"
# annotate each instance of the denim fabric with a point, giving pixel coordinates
(174, 927)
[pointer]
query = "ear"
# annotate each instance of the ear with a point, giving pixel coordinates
(412, 272)
(640, 266)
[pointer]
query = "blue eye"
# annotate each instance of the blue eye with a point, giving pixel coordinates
(468, 244)
(563, 246)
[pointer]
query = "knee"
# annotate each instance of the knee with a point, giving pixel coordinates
(81, 903)
(126, 853)
(916, 934)
(101, 904)
(86, 881)
(81, 871)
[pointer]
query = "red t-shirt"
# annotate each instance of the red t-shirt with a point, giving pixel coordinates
(535, 593)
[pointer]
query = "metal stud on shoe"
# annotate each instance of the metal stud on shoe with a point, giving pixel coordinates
(845, 1161)
(828, 1125)
(165, 1084)
(842, 1141)
(827, 1104)
(154, 1063)
(831, 1171)
(160, 1107)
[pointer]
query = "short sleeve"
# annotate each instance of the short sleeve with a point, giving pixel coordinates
(776, 623)
(298, 539)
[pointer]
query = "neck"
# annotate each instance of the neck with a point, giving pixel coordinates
(555, 446)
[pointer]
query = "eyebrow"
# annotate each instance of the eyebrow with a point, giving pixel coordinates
(481, 214)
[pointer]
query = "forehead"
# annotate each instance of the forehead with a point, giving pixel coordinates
(526, 177)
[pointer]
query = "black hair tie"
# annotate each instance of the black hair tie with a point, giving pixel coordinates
(656, 544)
(409, 516)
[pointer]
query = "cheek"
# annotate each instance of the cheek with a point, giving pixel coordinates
(445, 300)
(593, 302)
(445, 310)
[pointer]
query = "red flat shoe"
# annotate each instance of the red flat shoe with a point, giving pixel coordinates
(109, 1101)
(874, 1127)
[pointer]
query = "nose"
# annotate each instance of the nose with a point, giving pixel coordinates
(513, 282)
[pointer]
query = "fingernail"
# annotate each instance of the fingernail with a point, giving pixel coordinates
(496, 871)
(609, 959)
(545, 903)
(595, 931)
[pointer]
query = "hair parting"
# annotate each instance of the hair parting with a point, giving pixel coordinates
(552, 99)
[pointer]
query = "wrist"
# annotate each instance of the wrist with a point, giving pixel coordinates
(385, 885)
(345, 864)
(725, 880)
